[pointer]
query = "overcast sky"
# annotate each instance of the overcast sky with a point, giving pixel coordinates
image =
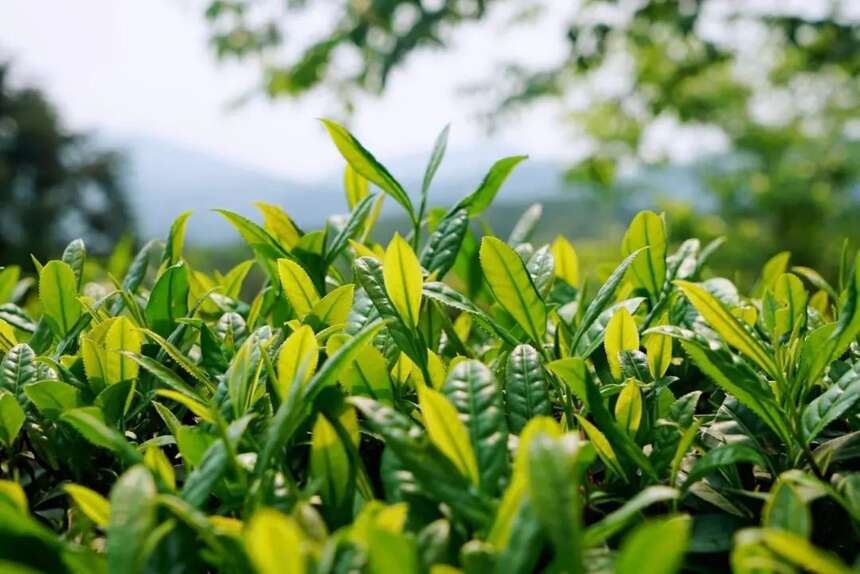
(144, 67)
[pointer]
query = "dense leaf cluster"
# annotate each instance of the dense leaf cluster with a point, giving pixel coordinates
(443, 403)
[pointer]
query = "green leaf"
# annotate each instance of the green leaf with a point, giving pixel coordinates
(363, 162)
(329, 463)
(773, 268)
(512, 287)
(481, 198)
(132, 517)
(266, 248)
(604, 297)
(525, 225)
(175, 240)
(556, 468)
(168, 300)
(735, 377)
(52, 398)
(784, 306)
(473, 391)
(656, 547)
(834, 402)
(298, 287)
(75, 254)
(58, 293)
(847, 329)
(541, 268)
(8, 281)
(620, 441)
(12, 418)
(87, 421)
(440, 252)
(786, 509)
(164, 375)
(649, 271)
(594, 335)
(370, 275)
(617, 520)
(435, 159)
(433, 471)
(730, 328)
(447, 296)
(526, 393)
(720, 457)
(292, 411)
(208, 472)
(403, 279)
(447, 432)
(354, 226)
(18, 368)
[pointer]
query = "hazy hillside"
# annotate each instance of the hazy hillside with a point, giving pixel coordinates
(165, 179)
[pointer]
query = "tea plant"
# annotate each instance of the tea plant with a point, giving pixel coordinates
(445, 402)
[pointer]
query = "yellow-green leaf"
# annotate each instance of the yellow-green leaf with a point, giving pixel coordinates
(354, 186)
(649, 270)
(59, 295)
(403, 280)
(628, 407)
(276, 543)
(601, 445)
(298, 287)
(12, 492)
(447, 432)
(566, 261)
(278, 223)
(122, 336)
(94, 506)
(94, 359)
(363, 162)
(299, 351)
(334, 307)
(329, 463)
(621, 335)
(658, 348)
(201, 410)
(727, 325)
(512, 286)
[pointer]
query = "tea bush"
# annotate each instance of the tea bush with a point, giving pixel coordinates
(443, 403)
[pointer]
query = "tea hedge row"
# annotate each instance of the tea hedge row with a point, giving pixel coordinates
(447, 402)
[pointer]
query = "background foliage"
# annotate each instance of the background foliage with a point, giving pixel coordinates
(765, 93)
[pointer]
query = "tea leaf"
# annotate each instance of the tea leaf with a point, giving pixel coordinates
(447, 432)
(403, 279)
(59, 295)
(513, 287)
(363, 162)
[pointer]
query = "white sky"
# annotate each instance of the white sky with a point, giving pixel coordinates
(144, 67)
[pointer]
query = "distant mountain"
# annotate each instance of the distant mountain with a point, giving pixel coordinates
(164, 179)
